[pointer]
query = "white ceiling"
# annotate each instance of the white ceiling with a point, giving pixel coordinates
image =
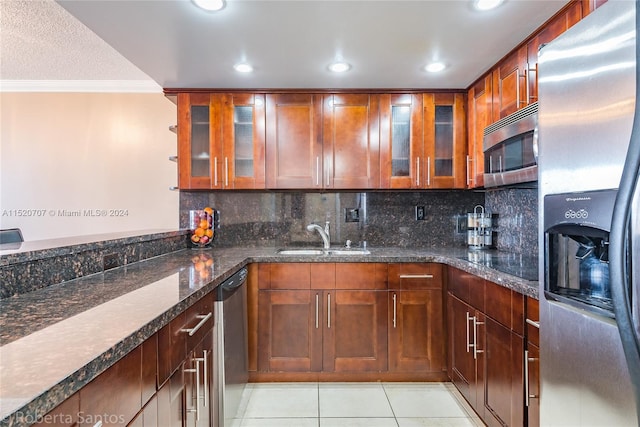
(289, 43)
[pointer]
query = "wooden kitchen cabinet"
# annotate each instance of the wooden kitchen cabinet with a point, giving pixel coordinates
(294, 156)
(510, 84)
(532, 363)
(479, 116)
(486, 347)
(63, 415)
(171, 400)
(422, 141)
(416, 325)
(351, 141)
(198, 376)
(323, 317)
(221, 141)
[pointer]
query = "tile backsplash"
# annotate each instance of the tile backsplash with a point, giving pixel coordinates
(386, 218)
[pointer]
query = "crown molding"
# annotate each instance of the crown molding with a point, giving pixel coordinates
(102, 86)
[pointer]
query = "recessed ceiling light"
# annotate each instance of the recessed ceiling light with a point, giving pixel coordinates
(339, 67)
(435, 67)
(243, 68)
(210, 5)
(486, 4)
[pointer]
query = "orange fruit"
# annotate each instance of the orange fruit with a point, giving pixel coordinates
(199, 232)
(209, 262)
(204, 224)
(208, 233)
(208, 210)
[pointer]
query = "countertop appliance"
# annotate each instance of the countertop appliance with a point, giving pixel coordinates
(589, 237)
(511, 149)
(232, 346)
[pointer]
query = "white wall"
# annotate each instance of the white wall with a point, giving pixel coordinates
(86, 154)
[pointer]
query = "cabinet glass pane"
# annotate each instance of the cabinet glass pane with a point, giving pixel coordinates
(400, 140)
(200, 151)
(443, 165)
(243, 144)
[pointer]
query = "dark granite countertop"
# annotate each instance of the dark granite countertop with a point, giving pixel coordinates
(55, 340)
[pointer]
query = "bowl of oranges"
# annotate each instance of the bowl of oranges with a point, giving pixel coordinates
(201, 225)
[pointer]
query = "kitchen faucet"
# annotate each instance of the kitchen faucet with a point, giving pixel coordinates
(326, 240)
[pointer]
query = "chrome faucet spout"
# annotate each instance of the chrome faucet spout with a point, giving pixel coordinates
(324, 233)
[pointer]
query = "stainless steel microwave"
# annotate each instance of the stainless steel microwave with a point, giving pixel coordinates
(510, 148)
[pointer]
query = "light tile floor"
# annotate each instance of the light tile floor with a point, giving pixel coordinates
(354, 405)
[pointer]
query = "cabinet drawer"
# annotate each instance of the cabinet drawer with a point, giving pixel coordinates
(505, 306)
(172, 347)
(199, 317)
(289, 276)
(533, 321)
(467, 287)
(355, 276)
(408, 276)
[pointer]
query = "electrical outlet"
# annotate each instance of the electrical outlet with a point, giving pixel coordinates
(420, 213)
(109, 261)
(352, 215)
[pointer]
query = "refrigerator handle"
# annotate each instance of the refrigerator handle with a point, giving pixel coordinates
(619, 268)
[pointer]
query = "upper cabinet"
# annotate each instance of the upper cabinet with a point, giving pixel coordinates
(422, 141)
(480, 115)
(510, 85)
(351, 141)
(294, 141)
(221, 141)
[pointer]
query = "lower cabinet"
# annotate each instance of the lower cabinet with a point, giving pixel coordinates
(166, 381)
(486, 347)
(310, 321)
(532, 364)
(371, 321)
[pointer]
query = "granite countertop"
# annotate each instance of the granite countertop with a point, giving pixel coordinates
(55, 340)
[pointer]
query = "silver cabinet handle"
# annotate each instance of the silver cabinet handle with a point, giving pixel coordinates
(526, 377)
(317, 170)
(418, 171)
(394, 310)
(518, 102)
(205, 377)
(526, 82)
(195, 371)
(416, 276)
(317, 307)
(475, 338)
(533, 323)
(468, 342)
(329, 311)
(215, 171)
(428, 171)
(468, 170)
(203, 319)
(226, 172)
(98, 424)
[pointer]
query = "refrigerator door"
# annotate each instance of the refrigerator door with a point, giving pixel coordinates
(586, 105)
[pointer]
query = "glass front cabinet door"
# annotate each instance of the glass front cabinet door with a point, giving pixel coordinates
(221, 141)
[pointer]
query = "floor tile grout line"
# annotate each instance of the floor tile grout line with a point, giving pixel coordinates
(384, 390)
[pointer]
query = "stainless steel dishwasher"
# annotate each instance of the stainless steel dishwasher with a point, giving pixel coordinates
(231, 346)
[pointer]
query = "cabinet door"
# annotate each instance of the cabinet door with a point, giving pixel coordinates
(444, 140)
(463, 362)
(355, 331)
(294, 141)
(197, 374)
(416, 331)
(532, 385)
(401, 141)
(243, 141)
(148, 417)
(289, 331)
(509, 83)
(480, 116)
(351, 141)
(570, 16)
(171, 401)
(195, 157)
(503, 375)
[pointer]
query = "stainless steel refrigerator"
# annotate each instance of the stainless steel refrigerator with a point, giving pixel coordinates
(589, 235)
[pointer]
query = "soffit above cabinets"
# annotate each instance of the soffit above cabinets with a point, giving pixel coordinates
(289, 43)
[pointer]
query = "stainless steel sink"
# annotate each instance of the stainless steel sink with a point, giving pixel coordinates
(335, 252)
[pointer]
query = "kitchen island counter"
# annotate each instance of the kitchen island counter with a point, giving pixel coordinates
(57, 339)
